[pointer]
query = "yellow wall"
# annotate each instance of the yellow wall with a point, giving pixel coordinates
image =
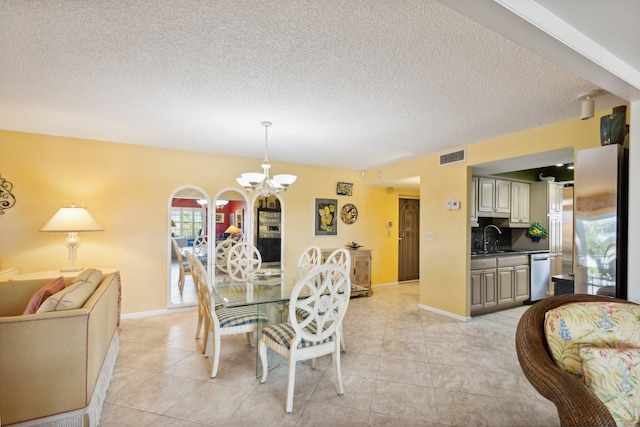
(126, 188)
(444, 261)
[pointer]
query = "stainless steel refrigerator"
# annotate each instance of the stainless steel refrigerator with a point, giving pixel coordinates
(601, 198)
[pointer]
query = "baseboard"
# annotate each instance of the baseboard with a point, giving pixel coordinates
(444, 313)
(140, 314)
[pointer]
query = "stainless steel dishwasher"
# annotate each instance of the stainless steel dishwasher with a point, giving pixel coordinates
(540, 267)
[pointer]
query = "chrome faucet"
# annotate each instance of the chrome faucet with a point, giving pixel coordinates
(484, 235)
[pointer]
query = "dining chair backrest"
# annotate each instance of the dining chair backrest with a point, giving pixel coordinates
(200, 246)
(222, 251)
(241, 259)
(341, 257)
(323, 294)
(309, 260)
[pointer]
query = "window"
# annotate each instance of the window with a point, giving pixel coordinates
(188, 222)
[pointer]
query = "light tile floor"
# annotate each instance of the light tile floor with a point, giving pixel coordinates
(404, 367)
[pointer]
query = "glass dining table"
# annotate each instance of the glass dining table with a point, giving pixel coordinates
(269, 290)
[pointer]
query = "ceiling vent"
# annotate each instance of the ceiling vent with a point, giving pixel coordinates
(453, 157)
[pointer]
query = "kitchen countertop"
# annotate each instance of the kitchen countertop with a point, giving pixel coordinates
(476, 254)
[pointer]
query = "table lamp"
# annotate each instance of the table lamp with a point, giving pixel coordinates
(71, 220)
(232, 230)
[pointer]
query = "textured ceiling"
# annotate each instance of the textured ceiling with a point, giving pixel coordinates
(351, 84)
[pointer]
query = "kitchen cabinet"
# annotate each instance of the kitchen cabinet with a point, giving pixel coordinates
(554, 197)
(494, 197)
(499, 282)
(473, 205)
(555, 244)
(519, 217)
(546, 208)
(483, 284)
(360, 273)
(513, 280)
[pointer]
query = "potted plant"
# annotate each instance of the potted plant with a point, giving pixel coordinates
(536, 232)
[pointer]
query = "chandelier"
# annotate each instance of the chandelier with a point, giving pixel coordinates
(262, 183)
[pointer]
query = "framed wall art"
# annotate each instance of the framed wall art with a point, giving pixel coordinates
(240, 219)
(344, 189)
(349, 213)
(326, 212)
(219, 217)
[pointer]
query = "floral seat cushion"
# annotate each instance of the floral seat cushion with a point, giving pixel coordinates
(590, 324)
(613, 374)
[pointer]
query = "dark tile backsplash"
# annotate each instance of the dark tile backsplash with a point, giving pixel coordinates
(497, 241)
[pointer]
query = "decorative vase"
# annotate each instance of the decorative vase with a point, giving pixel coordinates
(535, 239)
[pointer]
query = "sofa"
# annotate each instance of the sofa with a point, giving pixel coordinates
(583, 384)
(56, 364)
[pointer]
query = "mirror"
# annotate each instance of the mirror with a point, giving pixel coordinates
(268, 236)
(231, 220)
(188, 215)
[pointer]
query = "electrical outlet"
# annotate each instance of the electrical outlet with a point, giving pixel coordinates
(429, 235)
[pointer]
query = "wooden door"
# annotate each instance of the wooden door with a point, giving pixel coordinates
(409, 240)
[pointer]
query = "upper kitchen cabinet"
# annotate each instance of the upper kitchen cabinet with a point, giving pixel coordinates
(473, 206)
(494, 197)
(519, 205)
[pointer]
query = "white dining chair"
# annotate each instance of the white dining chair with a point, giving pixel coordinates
(200, 246)
(222, 251)
(323, 293)
(223, 320)
(310, 259)
(242, 259)
(182, 265)
(341, 257)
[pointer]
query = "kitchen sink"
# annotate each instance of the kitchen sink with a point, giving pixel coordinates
(488, 252)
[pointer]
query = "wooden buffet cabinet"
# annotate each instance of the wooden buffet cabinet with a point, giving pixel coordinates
(360, 273)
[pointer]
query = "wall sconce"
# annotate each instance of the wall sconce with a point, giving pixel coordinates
(588, 104)
(71, 220)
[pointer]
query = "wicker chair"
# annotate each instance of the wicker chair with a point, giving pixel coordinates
(577, 405)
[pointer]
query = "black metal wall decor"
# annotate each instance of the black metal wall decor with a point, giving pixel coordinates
(7, 199)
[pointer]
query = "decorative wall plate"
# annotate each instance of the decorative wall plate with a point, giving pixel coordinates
(349, 213)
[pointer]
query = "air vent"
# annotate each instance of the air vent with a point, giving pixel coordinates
(453, 157)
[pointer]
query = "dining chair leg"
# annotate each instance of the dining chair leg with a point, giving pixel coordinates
(338, 370)
(291, 384)
(206, 340)
(181, 282)
(216, 355)
(342, 344)
(249, 336)
(200, 320)
(262, 349)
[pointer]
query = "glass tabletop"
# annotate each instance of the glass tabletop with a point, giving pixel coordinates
(265, 286)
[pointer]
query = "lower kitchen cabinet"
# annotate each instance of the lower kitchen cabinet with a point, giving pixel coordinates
(483, 289)
(483, 283)
(499, 281)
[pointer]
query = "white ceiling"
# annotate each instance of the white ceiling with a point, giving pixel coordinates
(355, 84)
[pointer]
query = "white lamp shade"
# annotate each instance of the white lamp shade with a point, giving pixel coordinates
(253, 178)
(71, 220)
(285, 180)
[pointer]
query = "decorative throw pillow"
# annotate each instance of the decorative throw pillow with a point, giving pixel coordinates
(613, 374)
(590, 324)
(56, 285)
(75, 295)
(89, 275)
